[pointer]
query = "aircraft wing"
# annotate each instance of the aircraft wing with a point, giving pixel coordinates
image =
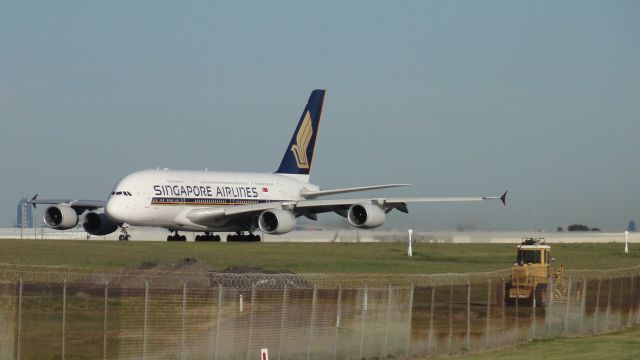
(310, 208)
(340, 206)
(74, 203)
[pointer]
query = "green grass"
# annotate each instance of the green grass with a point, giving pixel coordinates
(624, 344)
(304, 258)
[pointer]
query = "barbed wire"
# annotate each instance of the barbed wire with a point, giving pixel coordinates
(177, 279)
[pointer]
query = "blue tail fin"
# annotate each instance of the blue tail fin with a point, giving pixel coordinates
(298, 157)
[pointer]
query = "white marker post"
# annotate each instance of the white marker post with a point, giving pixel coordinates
(626, 242)
(410, 252)
(264, 354)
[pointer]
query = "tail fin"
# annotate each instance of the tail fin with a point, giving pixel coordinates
(298, 157)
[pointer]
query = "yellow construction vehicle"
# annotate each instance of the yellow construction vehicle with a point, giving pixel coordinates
(531, 273)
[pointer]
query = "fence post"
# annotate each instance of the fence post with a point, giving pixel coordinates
(312, 322)
(410, 319)
(282, 319)
(620, 302)
(595, 315)
(184, 319)
(433, 298)
(364, 315)
(450, 317)
(64, 314)
(218, 325)
(503, 314)
(534, 308)
(144, 325)
(104, 324)
(583, 304)
(338, 311)
(386, 325)
(468, 336)
(488, 313)
(517, 306)
(549, 319)
(631, 292)
(609, 301)
(638, 299)
(566, 312)
(251, 314)
(212, 321)
(19, 332)
(632, 288)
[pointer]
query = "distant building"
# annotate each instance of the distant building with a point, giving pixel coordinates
(24, 214)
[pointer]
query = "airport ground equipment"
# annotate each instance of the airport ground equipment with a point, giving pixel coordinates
(532, 274)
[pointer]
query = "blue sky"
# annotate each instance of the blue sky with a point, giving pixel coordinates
(457, 98)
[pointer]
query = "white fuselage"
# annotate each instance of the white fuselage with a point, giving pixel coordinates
(163, 197)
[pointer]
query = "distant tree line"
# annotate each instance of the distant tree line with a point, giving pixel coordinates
(578, 227)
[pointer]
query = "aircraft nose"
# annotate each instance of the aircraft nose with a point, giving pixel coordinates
(113, 210)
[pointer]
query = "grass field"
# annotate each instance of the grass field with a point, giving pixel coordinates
(304, 258)
(623, 344)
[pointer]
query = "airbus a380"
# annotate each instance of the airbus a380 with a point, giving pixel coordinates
(236, 202)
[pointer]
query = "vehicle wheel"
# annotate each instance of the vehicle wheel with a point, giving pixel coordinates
(507, 300)
(216, 238)
(183, 238)
(198, 238)
(169, 238)
(541, 295)
(121, 237)
(127, 237)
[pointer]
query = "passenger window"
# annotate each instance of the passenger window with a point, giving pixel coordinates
(118, 192)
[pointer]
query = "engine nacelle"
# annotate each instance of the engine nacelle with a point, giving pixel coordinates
(97, 223)
(60, 217)
(366, 215)
(276, 221)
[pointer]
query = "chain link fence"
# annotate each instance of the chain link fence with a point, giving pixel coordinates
(156, 315)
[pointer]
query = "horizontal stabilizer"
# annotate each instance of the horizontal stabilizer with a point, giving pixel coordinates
(315, 194)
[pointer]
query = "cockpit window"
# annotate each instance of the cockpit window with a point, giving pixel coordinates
(129, 194)
(118, 192)
(113, 193)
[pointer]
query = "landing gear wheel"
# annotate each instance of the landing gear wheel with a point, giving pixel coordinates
(243, 238)
(124, 229)
(176, 237)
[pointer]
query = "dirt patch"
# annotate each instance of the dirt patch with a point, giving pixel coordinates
(241, 269)
(190, 265)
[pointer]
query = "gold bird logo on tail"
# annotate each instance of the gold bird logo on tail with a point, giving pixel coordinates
(303, 138)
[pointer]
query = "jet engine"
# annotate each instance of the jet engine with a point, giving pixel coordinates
(365, 215)
(60, 217)
(276, 221)
(97, 223)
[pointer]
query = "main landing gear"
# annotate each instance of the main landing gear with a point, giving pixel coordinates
(208, 237)
(176, 237)
(240, 237)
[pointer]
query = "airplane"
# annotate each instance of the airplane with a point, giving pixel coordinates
(235, 202)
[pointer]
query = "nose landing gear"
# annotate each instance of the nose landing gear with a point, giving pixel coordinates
(124, 229)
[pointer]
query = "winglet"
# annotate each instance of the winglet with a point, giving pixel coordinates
(503, 198)
(32, 200)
